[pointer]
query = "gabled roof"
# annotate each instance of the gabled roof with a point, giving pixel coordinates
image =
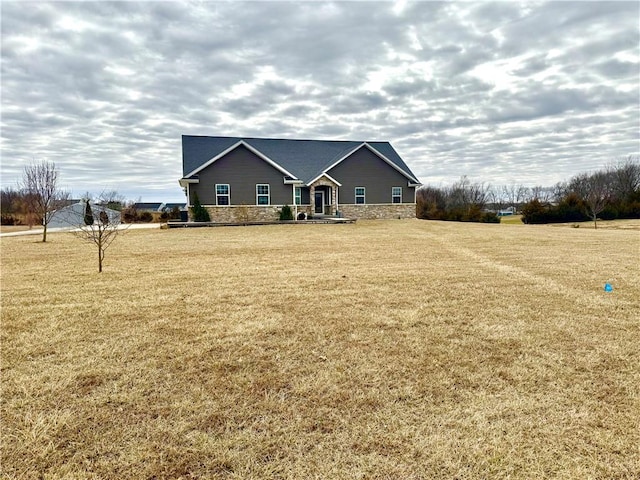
(172, 205)
(152, 206)
(303, 160)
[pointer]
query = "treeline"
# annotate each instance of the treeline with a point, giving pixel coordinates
(608, 194)
(611, 193)
(464, 201)
(17, 207)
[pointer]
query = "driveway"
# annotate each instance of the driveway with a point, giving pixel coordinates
(38, 231)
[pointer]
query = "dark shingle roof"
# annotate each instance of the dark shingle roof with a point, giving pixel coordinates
(305, 159)
(172, 205)
(154, 206)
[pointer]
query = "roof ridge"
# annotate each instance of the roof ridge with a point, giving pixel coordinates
(288, 139)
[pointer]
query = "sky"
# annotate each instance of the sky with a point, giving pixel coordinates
(527, 93)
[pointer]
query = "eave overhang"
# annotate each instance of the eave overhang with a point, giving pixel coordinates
(186, 181)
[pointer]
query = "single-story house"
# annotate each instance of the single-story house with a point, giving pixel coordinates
(252, 178)
(72, 216)
(167, 207)
(151, 207)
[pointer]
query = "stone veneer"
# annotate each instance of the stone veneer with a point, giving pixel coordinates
(379, 211)
(254, 213)
(242, 213)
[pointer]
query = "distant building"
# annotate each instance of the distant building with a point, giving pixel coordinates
(72, 216)
(148, 206)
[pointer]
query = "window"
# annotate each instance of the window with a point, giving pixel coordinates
(262, 194)
(360, 196)
(298, 196)
(222, 194)
(396, 194)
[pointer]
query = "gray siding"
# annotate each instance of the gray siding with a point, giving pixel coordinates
(365, 169)
(241, 169)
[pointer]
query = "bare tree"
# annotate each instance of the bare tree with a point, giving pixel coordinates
(540, 193)
(495, 199)
(102, 230)
(113, 200)
(514, 194)
(595, 191)
(41, 191)
(624, 177)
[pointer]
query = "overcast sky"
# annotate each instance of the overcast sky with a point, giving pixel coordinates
(531, 92)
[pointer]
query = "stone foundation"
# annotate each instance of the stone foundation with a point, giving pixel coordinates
(255, 213)
(241, 213)
(379, 211)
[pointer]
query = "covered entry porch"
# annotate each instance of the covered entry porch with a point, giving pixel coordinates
(323, 196)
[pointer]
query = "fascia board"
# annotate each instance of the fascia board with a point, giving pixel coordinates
(186, 181)
(324, 174)
(232, 148)
(375, 152)
(293, 182)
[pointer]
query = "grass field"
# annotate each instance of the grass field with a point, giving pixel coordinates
(383, 349)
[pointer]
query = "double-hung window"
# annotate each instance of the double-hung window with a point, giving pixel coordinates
(396, 194)
(222, 194)
(262, 194)
(298, 196)
(360, 195)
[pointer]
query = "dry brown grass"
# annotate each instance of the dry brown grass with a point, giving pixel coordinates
(397, 349)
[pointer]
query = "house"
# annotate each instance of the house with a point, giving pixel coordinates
(151, 207)
(72, 216)
(252, 178)
(169, 206)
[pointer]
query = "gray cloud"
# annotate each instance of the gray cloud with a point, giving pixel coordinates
(528, 92)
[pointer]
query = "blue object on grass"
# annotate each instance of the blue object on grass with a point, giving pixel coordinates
(608, 287)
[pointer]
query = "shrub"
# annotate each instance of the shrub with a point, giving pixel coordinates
(286, 213)
(570, 209)
(490, 217)
(534, 212)
(200, 214)
(8, 219)
(129, 215)
(145, 217)
(175, 213)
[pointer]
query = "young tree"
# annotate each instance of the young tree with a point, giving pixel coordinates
(41, 191)
(101, 231)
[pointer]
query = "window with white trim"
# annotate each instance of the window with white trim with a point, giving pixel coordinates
(222, 194)
(396, 194)
(298, 196)
(360, 196)
(262, 194)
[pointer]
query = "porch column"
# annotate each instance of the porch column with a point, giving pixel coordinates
(334, 200)
(312, 192)
(295, 205)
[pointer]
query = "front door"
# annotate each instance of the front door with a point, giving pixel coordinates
(319, 201)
